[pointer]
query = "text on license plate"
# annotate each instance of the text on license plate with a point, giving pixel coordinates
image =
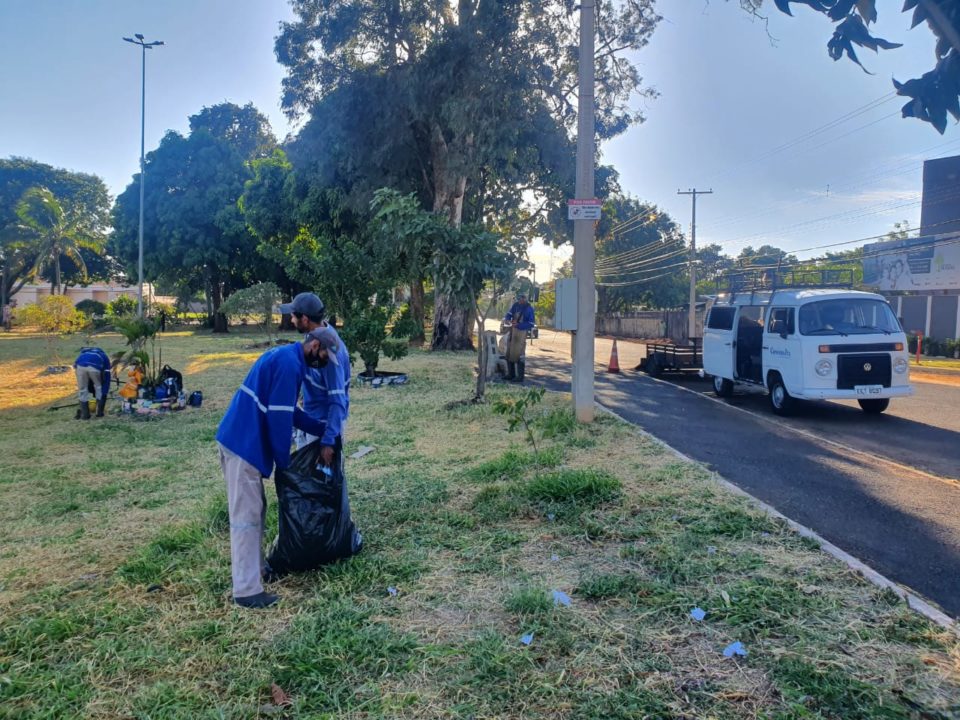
(868, 389)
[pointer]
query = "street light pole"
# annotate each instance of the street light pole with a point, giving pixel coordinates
(144, 46)
(583, 230)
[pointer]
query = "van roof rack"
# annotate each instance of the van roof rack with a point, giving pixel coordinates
(773, 278)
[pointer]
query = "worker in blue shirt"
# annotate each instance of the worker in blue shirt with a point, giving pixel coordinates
(254, 437)
(520, 319)
(92, 368)
(326, 389)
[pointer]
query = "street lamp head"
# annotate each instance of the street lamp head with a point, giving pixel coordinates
(138, 36)
(130, 40)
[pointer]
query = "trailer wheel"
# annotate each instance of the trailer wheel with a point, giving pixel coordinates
(722, 387)
(874, 407)
(780, 400)
(654, 366)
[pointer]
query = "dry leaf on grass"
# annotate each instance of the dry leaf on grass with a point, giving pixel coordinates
(280, 697)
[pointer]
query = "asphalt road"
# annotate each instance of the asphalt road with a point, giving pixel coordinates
(866, 499)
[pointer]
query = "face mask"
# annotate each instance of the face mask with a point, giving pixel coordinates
(316, 360)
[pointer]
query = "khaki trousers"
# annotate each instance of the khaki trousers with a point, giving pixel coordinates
(85, 375)
(247, 505)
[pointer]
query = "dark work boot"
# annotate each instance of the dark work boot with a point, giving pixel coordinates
(521, 367)
(511, 371)
(84, 410)
(258, 601)
(101, 404)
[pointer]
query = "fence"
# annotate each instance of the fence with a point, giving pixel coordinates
(650, 324)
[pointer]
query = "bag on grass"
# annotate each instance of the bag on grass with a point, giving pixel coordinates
(175, 385)
(315, 526)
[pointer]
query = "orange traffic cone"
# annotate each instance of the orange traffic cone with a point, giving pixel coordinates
(614, 366)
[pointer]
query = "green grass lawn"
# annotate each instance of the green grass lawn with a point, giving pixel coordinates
(936, 362)
(114, 573)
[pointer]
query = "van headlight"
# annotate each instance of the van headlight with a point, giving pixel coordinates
(900, 365)
(824, 368)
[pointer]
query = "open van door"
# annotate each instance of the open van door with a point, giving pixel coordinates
(719, 350)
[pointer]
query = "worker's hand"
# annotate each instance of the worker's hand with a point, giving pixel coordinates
(326, 455)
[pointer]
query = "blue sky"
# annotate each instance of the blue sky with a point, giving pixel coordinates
(729, 96)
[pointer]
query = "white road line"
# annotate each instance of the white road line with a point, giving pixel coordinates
(818, 438)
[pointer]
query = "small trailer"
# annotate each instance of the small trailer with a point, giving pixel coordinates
(671, 357)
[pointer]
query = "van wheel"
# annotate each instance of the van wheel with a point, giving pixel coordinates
(780, 400)
(653, 366)
(722, 387)
(874, 407)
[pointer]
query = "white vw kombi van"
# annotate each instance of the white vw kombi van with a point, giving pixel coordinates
(809, 344)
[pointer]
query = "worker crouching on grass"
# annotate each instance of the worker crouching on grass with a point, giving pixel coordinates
(254, 437)
(521, 320)
(92, 367)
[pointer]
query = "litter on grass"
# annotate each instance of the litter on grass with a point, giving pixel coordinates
(734, 648)
(364, 450)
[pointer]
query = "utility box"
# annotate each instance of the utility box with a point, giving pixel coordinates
(565, 317)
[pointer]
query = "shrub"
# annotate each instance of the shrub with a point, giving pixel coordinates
(257, 302)
(53, 315)
(91, 308)
(122, 306)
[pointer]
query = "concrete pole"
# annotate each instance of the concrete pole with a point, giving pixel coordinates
(583, 230)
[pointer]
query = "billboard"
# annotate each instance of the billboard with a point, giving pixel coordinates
(928, 262)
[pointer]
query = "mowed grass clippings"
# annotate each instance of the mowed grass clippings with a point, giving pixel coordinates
(115, 573)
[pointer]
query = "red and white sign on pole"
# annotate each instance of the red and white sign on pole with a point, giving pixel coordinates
(586, 209)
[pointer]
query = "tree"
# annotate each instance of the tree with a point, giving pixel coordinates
(471, 105)
(53, 316)
(257, 301)
(764, 256)
(83, 197)
(464, 259)
(52, 233)
(933, 94)
(641, 257)
(712, 264)
(195, 236)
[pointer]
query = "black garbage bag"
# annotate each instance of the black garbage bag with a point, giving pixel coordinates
(315, 526)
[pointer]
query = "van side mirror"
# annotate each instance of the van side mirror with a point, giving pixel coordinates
(783, 333)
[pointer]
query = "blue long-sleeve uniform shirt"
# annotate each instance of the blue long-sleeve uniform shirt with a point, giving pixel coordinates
(95, 357)
(326, 393)
(259, 423)
(524, 312)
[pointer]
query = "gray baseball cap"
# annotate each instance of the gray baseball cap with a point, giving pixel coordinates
(305, 303)
(326, 336)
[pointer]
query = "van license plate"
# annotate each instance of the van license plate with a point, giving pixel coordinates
(868, 389)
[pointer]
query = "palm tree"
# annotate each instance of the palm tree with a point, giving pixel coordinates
(54, 234)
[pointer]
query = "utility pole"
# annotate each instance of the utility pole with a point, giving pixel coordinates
(144, 46)
(583, 230)
(692, 318)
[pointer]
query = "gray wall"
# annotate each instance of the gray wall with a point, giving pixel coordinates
(943, 317)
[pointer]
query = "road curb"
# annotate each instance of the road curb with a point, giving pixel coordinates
(914, 601)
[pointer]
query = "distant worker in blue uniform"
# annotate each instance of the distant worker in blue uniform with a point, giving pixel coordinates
(326, 389)
(92, 367)
(254, 438)
(520, 320)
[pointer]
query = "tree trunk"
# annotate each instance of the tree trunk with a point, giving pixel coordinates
(220, 324)
(418, 311)
(452, 324)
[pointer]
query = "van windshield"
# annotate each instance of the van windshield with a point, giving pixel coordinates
(847, 316)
